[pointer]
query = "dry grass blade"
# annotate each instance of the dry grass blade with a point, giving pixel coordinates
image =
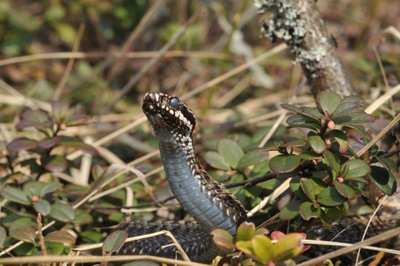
(70, 64)
(375, 239)
(381, 100)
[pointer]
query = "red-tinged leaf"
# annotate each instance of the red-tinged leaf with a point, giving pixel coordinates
(60, 110)
(21, 144)
(223, 239)
(34, 118)
(276, 235)
(55, 163)
(289, 246)
(76, 120)
(49, 143)
(75, 143)
(246, 231)
(23, 233)
(60, 237)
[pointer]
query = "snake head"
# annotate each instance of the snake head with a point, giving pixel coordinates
(168, 113)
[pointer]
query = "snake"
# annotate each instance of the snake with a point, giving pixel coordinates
(210, 204)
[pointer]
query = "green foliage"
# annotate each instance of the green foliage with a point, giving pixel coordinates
(258, 248)
(32, 164)
(327, 172)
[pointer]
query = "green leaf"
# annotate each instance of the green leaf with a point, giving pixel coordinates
(246, 231)
(60, 237)
(340, 137)
(252, 157)
(21, 144)
(76, 143)
(328, 101)
(15, 195)
(231, 151)
(55, 163)
(54, 248)
(49, 188)
(317, 144)
(263, 248)
(383, 179)
(288, 246)
(3, 236)
(114, 242)
(332, 161)
(32, 188)
(245, 246)
(217, 161)
(355, 168)
(302, 121)
(23, 233)
(42, 206)
(308, 211)
(284, 163)
(330, 197)
(223, 239)
(90, 236)
(290, 211)
(62, 212)
(308, 188)
(309, 112)
(344, 190)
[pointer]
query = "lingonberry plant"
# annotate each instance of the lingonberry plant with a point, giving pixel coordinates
(323, 165)
(32, 192)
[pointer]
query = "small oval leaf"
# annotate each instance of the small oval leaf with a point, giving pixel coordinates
(55, 163)
(223, 239)
(355, 168)
(231, 151)
(60, 237)
(217, 161)
(21, 144)
(15, 195)
(252, 157)
(246, 231)
(284, 163)
(330, 197)
(23, 233)
(290, 211)
(62, 212)
(308, 211)
(114, 242)
(328, 101)
(42, 206)
(316, 143)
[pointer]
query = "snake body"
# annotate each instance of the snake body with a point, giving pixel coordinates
(210, 204)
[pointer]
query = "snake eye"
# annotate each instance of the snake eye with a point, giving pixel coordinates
(174, 102)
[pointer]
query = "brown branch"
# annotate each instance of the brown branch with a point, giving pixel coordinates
(40, 235)
(299, 24)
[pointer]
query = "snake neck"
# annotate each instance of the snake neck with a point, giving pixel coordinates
(209, 203)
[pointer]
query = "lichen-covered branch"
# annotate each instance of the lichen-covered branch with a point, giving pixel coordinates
(299, 24)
